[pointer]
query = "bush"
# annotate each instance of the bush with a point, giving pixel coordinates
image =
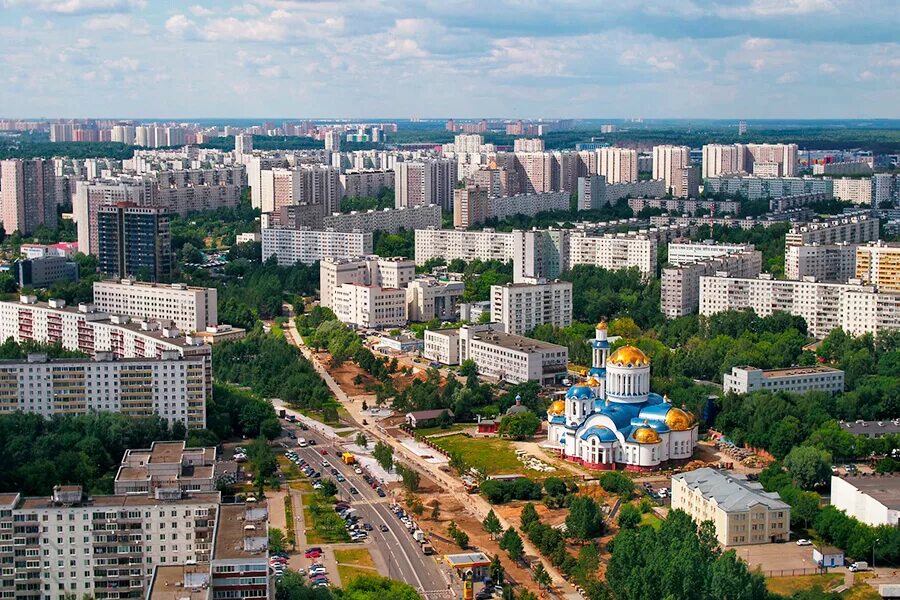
(502, 491)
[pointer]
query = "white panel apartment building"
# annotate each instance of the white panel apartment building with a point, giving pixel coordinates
(451, 244)
(613, 252)
(854, 307)
(854, 229)
(855, 190)
(395, 273)
(831, 262)
(391, 220)
(190, 308)
(369, 306)
(798, 380)
(681, 284)
(172, 387)
(365, 183)
(618, 165)
(770, 160)
(425, 182)
(520, 307)
(290, 246)
(512, 358)
(742, 512)
(680, 253)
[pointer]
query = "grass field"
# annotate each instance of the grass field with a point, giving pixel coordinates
(651, 519)
(323, 525)
(358, 557)
(492, 456)
(287, 468)
(348, 573)
(786, 586)
(426, 431)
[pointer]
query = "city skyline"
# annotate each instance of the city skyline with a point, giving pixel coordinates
(754, 59)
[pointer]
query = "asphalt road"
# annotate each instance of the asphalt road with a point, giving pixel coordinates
(399, 550)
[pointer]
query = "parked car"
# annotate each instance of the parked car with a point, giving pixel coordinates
(804, 542)
(353, 490)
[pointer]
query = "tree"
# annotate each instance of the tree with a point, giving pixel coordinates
(808, 466)
(276, 540)
(540, 575)
(329, 488)
(528, 516)
(554, 486)
(512, 543)
(410, 477)
(629, 516)
(492, 524)
(459, 536)
(496, 570)
(520, 426)
(468, 368)
(435, 511)
(361, 440)
(457, 462)
(384, 455)
(584, 521)
(444, 420)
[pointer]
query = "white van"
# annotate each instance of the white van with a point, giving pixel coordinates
(302, 442)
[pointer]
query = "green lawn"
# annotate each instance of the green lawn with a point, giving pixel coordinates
(348, 573)
(323, 525)
(651, 519)
(426, 431)
(493, 456)
(358, 557)
(288, 469)
(787, 586)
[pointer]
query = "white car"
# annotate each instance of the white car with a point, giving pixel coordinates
(804, 542)
(357, 470)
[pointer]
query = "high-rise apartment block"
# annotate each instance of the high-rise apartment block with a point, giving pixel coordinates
(520, 307)
(591, 192)
(172, 387)
(243, 143)
(391, 220)
(855, 190)
(27, 195)
(878, 263)
(451, 244)
(680, 253)
(667, 164)
(470, 206)
(528, 145)
(759, 188)
(680, 284)
(828, 262)
(355, 184)
(290, 246)
(134, 241)
(855, 308)
(618, 165)
(854, 229)
(613, 252)
(686, 182)
(765, 160)
(425, 182)
(535, 172)
(651, 188)
(190, 308)
(333, 140)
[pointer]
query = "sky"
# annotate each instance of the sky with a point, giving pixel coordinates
(441, 58)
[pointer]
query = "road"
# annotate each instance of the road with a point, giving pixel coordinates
(401, 553)
(477, 506)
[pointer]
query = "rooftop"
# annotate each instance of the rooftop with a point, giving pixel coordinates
(8, 500)
(179, 582)
(884, 488)
(731, 491)
(234, 536)
(468, 559)
(516, 342)
(123, 501)
(792, 371)
(872, 427)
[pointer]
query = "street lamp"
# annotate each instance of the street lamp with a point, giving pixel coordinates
(873, 551)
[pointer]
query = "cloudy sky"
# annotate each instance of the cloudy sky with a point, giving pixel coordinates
(463, 58)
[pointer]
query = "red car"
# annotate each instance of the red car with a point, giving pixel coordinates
(323, 451)
(313, 552)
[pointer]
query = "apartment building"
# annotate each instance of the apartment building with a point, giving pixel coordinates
(27, 195)
(539, 253)
(86, 329)
(520, 307)
(91, 195)
(189, 308)
(442, 345)
(386, 272)
(169, 465)
(591, 192)
(652, 188)
(134, 241)
(742, 512)
(470, 206)
(473, 205)
(878, 264)
(512, 358)
(45, 271)
(528, 145)
(764, 188)
(618, 165)
(681, 284)
(767, 160)
(685, 206)
(855, 190)
(429, 298)
(428, 181)
(535, 172)
(368, 182)
(391, 220)
(369, 306)
(172, 386)
(854, 307)
(686, 183)
(451, 244)
(789, 202)
(854, 167)
(854, 229)
(830, 262)
(684, 252)
(798, 380)
(668, 161)
(613, 252)
(290, 246)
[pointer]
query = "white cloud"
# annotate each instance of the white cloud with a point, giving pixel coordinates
(399, 49)
(789, 77)
(123, 64)
(201, 11)
(180, 26)
(827, 68)
(117, 22)
(71, 7)
(778, 8)
(271, 72)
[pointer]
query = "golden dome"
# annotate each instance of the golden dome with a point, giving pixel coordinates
(646, 435)
(557, 408)
(678, 420)
(593, 381)
(601, 325)
(628, 356)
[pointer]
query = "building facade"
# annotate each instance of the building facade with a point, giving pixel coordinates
(618, 165)
(391, 220)
(27, 195)
(680, 285)
(511, 358)
(680, 253)
(520, 307)
(853, 229)
(290, 246)
(874, 500)
(878, 264)
(190, 308)
(45, 271)
(798, 380)
(134, 242)
(668, 161)
(831, 262)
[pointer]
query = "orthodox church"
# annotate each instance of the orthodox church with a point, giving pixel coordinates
(613, 420)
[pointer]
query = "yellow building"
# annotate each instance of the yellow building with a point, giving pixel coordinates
(878, 263)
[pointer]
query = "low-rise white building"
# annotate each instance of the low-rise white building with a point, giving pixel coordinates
(799, 380)
(189, 308)
(742, 512)
(520, 307)
(442, 345)
(431, 298)
(290, 246)
(369, 306)
(872, 499)
(511, 357)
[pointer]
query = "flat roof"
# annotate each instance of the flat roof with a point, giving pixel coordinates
(515, 342)
(126, 500)
(884, 488)
(792, 372)
(469, 559)
(872, 427)
(166, 452)
(230, 532)
(168, 582)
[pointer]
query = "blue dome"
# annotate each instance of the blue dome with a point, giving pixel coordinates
(580, 392)
(558, 420)
(605, 434)
(598, 371)
(620, 414)
(655, 411)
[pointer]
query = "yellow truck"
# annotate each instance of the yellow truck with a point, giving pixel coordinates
(348, 458)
